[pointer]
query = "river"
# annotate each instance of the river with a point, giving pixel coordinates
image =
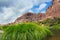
(56, 35)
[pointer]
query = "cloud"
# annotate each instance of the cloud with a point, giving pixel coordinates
(38, 9)
(42, 6)
(43, 11)
(8, 13)
(37, 2)
(12, 9)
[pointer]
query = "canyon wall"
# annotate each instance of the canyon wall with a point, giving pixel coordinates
(54, 10)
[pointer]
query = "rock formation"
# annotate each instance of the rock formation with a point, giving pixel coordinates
(54, 10)
(30, 17)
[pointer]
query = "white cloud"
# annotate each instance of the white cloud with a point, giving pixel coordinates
(43, 12)
(42, 6)
(37, 2)
(30, 11)
(37, 10)
(7, 13)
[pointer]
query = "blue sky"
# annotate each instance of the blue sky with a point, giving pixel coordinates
(10, 10)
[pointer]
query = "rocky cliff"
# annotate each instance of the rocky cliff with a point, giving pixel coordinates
(30, 17)
(54, 10)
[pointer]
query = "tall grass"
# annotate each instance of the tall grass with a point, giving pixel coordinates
(25, 31)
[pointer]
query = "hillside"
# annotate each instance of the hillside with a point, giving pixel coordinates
(30, 17)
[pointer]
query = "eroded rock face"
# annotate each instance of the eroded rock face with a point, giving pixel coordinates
(30, 17)
(54, 10)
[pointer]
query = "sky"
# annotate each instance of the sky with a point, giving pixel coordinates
(10, 10)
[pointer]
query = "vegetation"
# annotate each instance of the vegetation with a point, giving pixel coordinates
(3, 27)
(31, 31)
(25, 31)
(52, 24)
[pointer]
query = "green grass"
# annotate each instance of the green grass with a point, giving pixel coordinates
(25, 31)
(0, 36)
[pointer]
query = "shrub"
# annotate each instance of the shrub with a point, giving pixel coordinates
(50, 22)
(26, 31)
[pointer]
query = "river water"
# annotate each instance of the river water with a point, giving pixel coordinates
(56, 36)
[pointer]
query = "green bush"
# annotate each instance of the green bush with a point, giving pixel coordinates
(52, 24)
(25, 31)
(55, 27)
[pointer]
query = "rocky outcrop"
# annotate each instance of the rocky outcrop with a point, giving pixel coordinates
(30, 17)
(54, 10)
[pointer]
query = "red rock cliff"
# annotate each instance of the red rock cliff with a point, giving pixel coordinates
(54, 10)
